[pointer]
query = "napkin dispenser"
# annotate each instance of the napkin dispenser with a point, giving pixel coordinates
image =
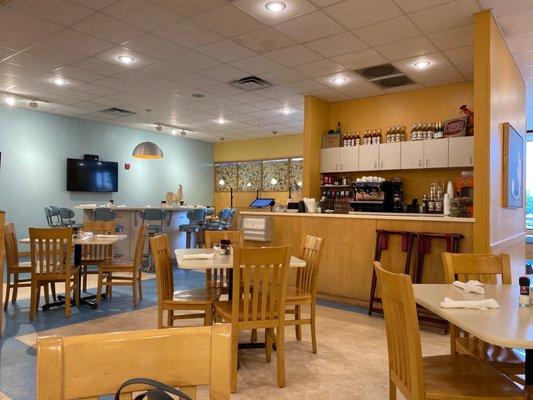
(293, 207)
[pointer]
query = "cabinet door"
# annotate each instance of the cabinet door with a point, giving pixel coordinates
(412, 155)
(349, 159)
(436, 153)
(461, 151)
(389, 156)
(330, 160)
(369, 157)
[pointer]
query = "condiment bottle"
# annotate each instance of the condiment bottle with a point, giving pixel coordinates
(524, 291)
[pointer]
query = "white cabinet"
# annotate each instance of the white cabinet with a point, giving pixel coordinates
(348, 159)
(389, 156)
(369, 157)
(412, 155)
(461, 152)
(436, 153)
(329, 161)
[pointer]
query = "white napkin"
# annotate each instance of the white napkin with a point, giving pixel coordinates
(484, 304)
(199, 256)
(470, 286)
(104, 236)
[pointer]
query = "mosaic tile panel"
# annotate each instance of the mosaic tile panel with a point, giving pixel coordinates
(226, 173)
(296, 173)
(278, 170)
(249, 176)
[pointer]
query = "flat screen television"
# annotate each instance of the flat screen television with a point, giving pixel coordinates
(91, 176)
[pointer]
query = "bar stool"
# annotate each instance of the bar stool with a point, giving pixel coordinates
(196, 219)
(382, 242)
(150, 215)
(107, 214)
(66, 215)
(424, 247)
(53, 217)
(224, 222)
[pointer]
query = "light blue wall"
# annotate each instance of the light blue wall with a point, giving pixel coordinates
(35, 147)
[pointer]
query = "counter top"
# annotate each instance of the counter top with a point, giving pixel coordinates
(137, 208)
(365, 215)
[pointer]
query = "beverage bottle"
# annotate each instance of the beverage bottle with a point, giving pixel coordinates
(413, 132)
(425, 204)
(379, 137)
(388, 135)
(357, 139)
(352, 139)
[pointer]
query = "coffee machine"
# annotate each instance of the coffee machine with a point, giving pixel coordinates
(374, 196)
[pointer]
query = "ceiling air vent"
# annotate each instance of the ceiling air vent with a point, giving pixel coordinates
(250, 83)
(378, 71)
(118, 112)
(394, 81)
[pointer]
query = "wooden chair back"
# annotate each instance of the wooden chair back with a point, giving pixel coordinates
(50, 252)
(486, 268)
(260, 286)
(163, 267)
(311, 253)
(216, 277)
(97, 252)
(142, 234)
(11, 245)
(403, 335)
(184, 358)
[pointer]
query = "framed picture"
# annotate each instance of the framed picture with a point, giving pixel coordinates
(513, 167)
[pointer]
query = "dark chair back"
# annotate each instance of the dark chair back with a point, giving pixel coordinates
(66, 215)
(105, 214)
(196, 216)
(53, 216)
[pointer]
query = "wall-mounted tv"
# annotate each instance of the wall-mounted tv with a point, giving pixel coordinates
(91, 176)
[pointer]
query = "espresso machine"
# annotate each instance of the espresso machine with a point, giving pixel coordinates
(374, 196)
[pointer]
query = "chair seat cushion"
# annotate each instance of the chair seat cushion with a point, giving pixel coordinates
(497, 356)
(461, 377)
(194, 296)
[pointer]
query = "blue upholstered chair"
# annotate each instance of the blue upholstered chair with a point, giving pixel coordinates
(224, 222)
(53, 217)
(195, 225)
(66, 218)
(107, 214)
(148, 217)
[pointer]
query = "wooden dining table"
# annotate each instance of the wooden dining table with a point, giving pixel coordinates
(78, 243)
(508, 326)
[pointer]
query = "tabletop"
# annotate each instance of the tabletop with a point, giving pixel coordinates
(217, 261)
(93, 241)
(508, 326)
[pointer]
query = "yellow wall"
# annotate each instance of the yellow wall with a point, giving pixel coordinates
(499, 97)
(256, 149)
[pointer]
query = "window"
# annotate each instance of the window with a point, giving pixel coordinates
(529, 182)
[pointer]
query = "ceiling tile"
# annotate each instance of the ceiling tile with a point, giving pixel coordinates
(14, 40)
(336, 44)
(188, 34)
(415, 5)
(504, 7)
(520, 43)
(77, 73)
(318, 68)
(324, 3)
(452, 38)
(356, 13)
(294, 8)
(282, 76)
(266, 39)
(192, 60)
(31, 61)
(63, 12)
(154, 46)
(95, 89)
(275, 91)
(406, 48)
(446, 16)
(107, 28)
(5, 53)
(524, 59)
(350, 78)
(247, 97)
(228, 21)
(225, 51)
(360, 59)
(359, 89)
(112, 56)
(189, 8)
(223, 89)
(393, 30)
(88, 105)
(224, 73)
(196, 80)
(52, 52)
(517, 24)
(293, 55)
(460, 55)
(96, 4)
(309, 27)
(330, 95)
(18, 71)
(27, 24)
(79, 42)
(437, 60)
(164, 70)
(306, 86)
(99, 66)
(257, 64)
(113, 83)
(436, 77)
(467, 69)
(141, 13)
(136, 78)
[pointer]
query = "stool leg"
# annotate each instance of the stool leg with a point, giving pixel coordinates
(8, 286)
(188, 242)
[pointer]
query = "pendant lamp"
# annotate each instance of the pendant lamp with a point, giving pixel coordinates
(221, 181)
(147, 149)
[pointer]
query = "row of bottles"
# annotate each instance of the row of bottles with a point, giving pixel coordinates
(427, 131)
(395, 134)
(438, 199)
(371, 136)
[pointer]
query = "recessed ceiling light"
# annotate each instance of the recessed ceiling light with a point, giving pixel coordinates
(221, 121)
(286, 110)
(422, 64)
(10, 100)
(126, 59)
(59, 81)
(339, 80)
(275, 6)
(174, 131)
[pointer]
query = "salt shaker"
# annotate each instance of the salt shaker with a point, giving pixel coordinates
(524, 291)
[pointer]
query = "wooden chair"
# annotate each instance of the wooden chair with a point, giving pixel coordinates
(218, 277)
(304, 293)
(491, 269)
(90, 366)
(51, 261)
(96, 254)
(182, 300)
(259, 290)
(133, 269)
(445, 377)
(15, 267)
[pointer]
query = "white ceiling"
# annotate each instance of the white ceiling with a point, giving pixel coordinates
(198, 46)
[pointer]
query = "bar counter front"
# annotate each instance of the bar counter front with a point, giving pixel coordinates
(350, 246)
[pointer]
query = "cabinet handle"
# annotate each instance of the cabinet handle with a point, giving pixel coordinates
(375, 165)
(419, 163)
(382, 165)
(427, 162)
(471, 163)
(342, 167)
